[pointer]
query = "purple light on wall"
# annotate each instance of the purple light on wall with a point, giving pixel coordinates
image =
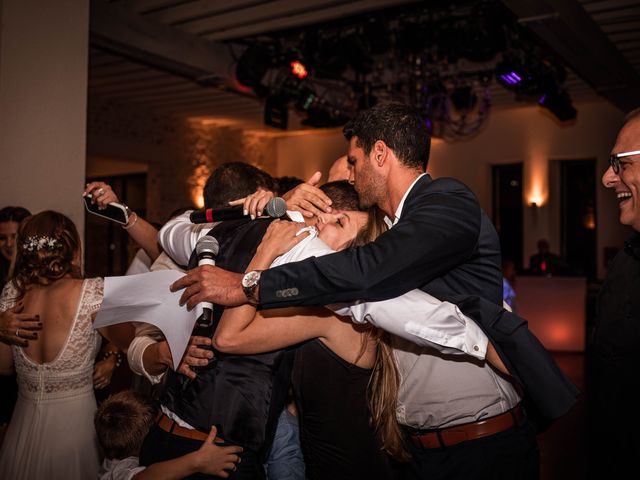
(542, 99)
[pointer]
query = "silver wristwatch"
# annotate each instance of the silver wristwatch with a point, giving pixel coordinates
(250, 283)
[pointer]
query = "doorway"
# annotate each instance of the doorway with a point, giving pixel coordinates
(578, 216)
(507, 210)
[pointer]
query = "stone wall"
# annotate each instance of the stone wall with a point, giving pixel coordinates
(180, 153)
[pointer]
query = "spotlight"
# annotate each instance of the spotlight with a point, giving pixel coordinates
(298, 69)
(319, 116)
(560, 105)
(512, 78)
(514, 75)
(252, 66)
(276, 113)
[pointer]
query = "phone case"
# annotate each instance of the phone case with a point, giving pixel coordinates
(114, 211)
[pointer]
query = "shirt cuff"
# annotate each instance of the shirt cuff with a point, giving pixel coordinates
(471, 341)
(135, 358)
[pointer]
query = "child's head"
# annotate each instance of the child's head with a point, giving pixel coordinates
(122, 421)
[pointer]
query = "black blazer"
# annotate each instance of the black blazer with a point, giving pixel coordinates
(443, 244)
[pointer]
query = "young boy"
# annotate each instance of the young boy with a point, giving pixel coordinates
(124, 419)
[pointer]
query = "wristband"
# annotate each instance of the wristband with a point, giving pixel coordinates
(129, 225)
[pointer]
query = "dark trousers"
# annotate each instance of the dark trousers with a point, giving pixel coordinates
(612, 421)
(160, 445)
(509, 455)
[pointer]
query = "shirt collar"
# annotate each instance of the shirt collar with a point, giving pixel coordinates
(390, 223)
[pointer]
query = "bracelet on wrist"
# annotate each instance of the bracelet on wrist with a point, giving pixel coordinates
(117, 354)
(131, 222)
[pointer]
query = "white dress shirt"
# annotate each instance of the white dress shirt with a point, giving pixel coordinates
(178, 237)
(415, 316)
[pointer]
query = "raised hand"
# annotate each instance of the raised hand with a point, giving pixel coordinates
(101, 194)
(308, 199)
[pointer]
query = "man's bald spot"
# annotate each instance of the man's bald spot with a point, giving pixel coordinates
(339, 170)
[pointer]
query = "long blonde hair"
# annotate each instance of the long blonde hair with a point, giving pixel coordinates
(382, 392)
(383, 397)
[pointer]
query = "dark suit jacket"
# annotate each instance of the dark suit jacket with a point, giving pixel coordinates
(443, 243)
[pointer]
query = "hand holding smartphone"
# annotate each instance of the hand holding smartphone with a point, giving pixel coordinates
(116, 212)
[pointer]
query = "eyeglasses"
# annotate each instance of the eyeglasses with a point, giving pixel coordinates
(614, 159)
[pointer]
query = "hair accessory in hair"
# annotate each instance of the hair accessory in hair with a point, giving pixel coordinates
(39, 242)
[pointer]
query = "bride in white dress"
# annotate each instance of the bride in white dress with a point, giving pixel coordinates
(51, 433)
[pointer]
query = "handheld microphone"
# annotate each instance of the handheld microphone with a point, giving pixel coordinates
(275, 208)
(207, 248)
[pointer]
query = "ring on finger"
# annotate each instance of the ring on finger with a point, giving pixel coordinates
(17, 332)
(100, 191)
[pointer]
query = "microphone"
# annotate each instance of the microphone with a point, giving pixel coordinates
(206, 249)
(275, 208)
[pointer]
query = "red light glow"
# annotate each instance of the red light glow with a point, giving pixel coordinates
(298, 69)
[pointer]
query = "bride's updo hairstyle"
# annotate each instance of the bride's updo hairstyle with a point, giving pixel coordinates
(47, 247)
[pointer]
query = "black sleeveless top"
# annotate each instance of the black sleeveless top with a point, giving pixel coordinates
(242, 395)
(337, 440)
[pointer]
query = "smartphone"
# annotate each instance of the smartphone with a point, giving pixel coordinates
(114, 211)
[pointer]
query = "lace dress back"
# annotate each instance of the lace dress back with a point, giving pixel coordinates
(51, 433)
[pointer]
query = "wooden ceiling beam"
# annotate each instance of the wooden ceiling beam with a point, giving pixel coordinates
(122, 31)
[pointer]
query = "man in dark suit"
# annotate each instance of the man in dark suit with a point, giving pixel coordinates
(440, 241)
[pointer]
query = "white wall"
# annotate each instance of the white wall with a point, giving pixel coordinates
(43, 96)
(529, 135)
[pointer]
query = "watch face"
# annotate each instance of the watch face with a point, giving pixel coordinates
(250, 279)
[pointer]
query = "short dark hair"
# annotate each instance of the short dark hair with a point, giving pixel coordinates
(286, 183)
(122, 422)
(399, 126)
(342, 194)
(13, 214)
(233, 180)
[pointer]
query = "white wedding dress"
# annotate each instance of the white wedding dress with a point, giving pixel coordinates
(51, 434)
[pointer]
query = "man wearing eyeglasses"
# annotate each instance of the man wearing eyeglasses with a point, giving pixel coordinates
(614, 363)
